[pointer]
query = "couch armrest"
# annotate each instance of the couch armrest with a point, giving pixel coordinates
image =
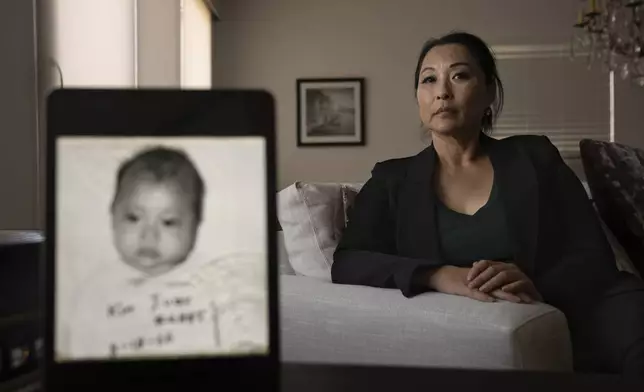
(323, 322)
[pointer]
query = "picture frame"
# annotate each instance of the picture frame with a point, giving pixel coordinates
(330, 112)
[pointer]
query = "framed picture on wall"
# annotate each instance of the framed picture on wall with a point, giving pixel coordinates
(330, 112)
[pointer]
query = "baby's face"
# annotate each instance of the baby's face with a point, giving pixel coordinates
(154, 225)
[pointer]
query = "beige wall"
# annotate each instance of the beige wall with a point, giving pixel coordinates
(269, 43)
(18, 117)
(629, 113)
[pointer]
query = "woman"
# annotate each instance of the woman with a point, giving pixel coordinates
(491, 219)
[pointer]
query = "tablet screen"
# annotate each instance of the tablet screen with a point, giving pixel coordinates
(160, 247)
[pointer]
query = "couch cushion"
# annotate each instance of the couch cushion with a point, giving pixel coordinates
(615, 175)
(624, 263)
(323, 322)
(285, 267)
(312, 216)
(349, 194)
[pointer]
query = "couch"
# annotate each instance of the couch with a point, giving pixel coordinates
(323, 322)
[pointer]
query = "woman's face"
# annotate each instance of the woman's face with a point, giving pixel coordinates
(452, 91)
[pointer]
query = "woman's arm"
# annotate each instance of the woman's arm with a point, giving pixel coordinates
(587, 264)
(367, 253)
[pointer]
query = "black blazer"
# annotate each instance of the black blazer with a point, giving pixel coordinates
(557, 238)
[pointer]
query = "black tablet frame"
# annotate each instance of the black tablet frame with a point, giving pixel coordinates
(149, 113)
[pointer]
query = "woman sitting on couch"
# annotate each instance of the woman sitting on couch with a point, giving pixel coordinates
(491, 219)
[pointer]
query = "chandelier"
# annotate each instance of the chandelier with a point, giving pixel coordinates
(609, 34)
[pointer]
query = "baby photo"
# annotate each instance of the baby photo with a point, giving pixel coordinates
(166, 256)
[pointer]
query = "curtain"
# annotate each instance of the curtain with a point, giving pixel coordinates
(547, 93)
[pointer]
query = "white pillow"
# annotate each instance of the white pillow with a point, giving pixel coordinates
(312, 217)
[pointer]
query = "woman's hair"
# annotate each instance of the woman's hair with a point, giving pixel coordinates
(483, 55)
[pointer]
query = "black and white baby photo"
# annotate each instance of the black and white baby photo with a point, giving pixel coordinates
(160, 247)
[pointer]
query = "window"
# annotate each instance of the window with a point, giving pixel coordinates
(548, 94)
(90, 43)
(129, 43)
(196, 44)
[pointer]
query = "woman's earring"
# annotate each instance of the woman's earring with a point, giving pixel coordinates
(487, 115)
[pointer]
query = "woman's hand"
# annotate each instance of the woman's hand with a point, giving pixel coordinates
(453, 280)
(492, 276)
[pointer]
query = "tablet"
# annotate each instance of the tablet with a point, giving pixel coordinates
(160, 263)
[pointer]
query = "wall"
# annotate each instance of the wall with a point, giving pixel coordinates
(269, 43)
(19, 186)
(629, 116)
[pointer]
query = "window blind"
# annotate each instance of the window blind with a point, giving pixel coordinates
(548, 94)
(196, 45)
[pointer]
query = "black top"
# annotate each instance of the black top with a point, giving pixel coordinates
(465, 239)
(553, 229)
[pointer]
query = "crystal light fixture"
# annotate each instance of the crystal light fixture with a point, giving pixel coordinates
(609, 34)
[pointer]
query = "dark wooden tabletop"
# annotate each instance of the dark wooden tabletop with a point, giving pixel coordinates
(317, 378)
(326, 378)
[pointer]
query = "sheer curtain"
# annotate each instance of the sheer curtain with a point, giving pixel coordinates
(91, 43)
(119, 44)
(548, 94)
(196, 44)
(127, 43)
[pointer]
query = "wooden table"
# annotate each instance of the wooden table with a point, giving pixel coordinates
(318, 378)
(324, 378)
